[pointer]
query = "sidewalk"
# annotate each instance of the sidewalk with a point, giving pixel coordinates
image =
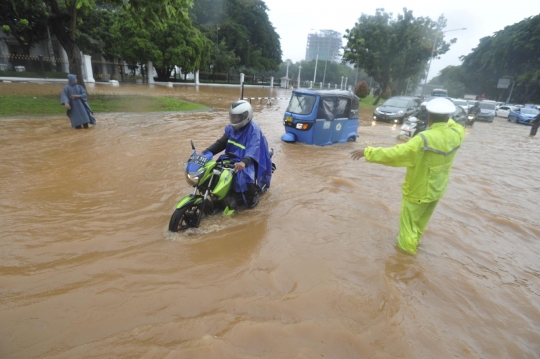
(38, 80)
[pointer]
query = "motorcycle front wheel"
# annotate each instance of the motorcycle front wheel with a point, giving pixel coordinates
(187, 217)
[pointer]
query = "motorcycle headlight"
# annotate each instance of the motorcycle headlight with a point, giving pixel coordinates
(471, 117)
(193, 178)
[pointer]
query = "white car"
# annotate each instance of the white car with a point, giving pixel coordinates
(460, 102)
(504, 111)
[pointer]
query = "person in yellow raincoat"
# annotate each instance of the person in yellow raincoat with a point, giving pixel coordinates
(428, 158)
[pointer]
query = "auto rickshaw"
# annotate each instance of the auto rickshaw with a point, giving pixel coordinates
(321, 117)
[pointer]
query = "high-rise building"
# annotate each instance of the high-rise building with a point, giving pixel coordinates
(325, 42)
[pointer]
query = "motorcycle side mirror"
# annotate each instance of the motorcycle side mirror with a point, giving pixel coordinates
(192, 145)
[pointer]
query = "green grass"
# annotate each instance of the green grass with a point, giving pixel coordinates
(367, 102)
(28, 105)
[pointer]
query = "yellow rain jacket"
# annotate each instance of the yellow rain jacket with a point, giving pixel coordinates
(428, 158)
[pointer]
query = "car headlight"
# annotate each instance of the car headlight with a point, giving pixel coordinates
(400, 113)
(377, 109)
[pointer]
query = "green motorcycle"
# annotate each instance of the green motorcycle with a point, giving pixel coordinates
(212, 182)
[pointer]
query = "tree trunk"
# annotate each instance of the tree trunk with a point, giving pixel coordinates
(58, 21)
(382, 90)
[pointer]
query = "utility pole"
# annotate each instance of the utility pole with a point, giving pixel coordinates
(326, 63)
(316, 60)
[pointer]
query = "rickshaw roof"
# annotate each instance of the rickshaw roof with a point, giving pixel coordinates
(328, 93)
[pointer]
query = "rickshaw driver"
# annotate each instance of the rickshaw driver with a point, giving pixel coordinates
(428, 158)
(243, 138)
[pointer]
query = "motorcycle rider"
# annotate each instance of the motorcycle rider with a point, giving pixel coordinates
(474, 111)
(423, 114)
(243, 139)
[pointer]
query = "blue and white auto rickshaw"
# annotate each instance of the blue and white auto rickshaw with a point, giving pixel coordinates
(321, 117)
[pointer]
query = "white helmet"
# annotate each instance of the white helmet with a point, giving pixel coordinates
(441, 106)
(240, 114)
(423, 104)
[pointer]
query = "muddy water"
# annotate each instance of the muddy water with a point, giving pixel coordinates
(89, 270)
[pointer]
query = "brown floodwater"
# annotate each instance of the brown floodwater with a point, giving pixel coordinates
(88, 268)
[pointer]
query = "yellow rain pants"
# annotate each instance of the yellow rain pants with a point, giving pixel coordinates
(412, 223)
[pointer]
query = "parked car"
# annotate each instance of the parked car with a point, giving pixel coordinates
(487, 111)
(397, 109)
(523, 115)
(504, 111)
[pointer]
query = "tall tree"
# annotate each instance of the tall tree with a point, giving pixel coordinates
(28, 26)
(244, 27)
(172, 43)
(63, 19)
(514, 53)
(392, 49)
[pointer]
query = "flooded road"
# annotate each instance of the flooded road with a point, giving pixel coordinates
(89, 270)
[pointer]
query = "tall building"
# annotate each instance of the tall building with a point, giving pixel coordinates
(326, 42)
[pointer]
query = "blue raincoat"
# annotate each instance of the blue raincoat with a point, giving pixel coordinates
(249, 142)
(80, 112)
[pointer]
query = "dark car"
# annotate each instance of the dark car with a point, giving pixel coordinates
(459, 116)
(396, 109)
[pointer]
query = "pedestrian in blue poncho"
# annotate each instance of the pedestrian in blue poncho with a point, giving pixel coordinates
(73, 97)
(244, 139)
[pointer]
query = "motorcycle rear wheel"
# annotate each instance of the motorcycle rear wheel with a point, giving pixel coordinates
(187, 217)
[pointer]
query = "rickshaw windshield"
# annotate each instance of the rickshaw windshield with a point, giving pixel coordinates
(301, 104)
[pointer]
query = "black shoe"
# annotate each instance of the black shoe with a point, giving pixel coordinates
(253, 201)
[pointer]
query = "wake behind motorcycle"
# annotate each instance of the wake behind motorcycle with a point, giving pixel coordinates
(412, 126)
(212, 182)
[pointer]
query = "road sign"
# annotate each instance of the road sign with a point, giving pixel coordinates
(503, 83)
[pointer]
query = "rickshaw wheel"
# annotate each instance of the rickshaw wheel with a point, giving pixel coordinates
(351, 139)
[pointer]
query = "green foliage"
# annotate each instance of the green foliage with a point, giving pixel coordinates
(451, 78)
(65, 17)
(511, 53)
(26, 24)
(393, 49)
(242, 31)
(361, 89)
(173, 43)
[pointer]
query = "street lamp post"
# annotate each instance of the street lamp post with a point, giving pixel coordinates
(326, 63)
(316, 60)
(299, 68)
(432, 51)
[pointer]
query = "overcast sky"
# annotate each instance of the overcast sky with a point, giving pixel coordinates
(295, 19)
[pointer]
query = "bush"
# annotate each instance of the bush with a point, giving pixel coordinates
(387, 93)
(361, 89)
